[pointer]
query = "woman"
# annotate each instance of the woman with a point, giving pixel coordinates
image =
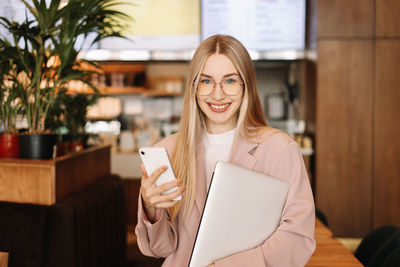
(222, 119)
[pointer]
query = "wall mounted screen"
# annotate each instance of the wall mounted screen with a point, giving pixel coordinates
(261, 25)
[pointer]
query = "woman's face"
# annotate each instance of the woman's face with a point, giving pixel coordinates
(219, 107)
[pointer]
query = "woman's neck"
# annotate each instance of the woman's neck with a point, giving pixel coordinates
(214, 128)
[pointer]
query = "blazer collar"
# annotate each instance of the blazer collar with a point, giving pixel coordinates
(241, 154)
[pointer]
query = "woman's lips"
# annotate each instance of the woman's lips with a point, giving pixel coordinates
(219, 108)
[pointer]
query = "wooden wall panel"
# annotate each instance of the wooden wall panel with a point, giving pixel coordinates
(343, 18)
(387, 18)
(344, 135)
(386, 193)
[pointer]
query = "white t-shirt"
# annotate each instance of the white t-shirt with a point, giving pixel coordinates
(217, 147)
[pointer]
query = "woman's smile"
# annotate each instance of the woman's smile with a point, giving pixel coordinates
(219, 107)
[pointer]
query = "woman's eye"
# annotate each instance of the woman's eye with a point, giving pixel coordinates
(230, 81)
(206, 81)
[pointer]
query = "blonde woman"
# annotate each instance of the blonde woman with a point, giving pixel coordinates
(222, 119)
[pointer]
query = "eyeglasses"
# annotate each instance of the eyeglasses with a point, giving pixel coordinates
(231, 86)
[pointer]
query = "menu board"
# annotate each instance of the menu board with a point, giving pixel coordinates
(261, 25)
(159, 25)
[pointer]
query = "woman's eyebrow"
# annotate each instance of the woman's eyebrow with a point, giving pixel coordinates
(226, 75)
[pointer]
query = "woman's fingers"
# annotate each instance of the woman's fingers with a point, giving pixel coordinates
(144, 172)
(148, 182)
(166, 205)
(165, 187)
(154, 176)
(154, 195)
(159, 199)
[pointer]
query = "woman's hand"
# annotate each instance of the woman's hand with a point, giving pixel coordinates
(212, 265)
(152, 195)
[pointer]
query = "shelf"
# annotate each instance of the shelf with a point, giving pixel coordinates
(154, 93)
(130, 90)
(120, 90)
(137, 90)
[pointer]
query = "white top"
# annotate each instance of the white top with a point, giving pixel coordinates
(217, 147)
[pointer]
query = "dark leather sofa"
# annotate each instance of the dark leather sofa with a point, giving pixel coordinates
(86, 229)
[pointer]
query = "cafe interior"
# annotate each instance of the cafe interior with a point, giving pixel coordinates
(327, 74)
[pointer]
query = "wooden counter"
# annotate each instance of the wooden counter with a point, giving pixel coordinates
(47, 181)
(329, 251)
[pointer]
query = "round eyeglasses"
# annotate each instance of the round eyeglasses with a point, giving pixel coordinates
(231, 86)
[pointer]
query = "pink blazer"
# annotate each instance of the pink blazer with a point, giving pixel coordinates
(291, 245)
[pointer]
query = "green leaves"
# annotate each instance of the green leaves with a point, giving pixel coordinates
(45, 49)
(9, 96)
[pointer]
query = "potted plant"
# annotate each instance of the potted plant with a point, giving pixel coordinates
(9, 106)
(47, 54)
(69, 119)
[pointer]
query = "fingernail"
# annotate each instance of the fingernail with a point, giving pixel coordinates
(164, 167)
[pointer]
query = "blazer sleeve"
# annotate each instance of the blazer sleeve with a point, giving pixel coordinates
(158, 239)
(293, 242)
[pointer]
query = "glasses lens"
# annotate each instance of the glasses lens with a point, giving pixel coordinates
(206, 86)
(231, 86)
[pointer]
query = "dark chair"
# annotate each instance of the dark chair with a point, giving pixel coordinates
(87, 229)
(22, 228)
(378, 244)
(387, 248)
(393, 259)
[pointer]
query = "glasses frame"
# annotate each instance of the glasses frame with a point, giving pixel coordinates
(220, 84)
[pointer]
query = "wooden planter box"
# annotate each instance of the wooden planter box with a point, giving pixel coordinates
(46, 182)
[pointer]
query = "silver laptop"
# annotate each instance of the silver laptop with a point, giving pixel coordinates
(243, 208)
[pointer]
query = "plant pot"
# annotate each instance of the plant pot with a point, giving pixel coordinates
(75, 146)
(37, 146)
(74, 138)
(9, 146)
(62, 149)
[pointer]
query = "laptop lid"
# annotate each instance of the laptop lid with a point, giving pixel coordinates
(243, 208)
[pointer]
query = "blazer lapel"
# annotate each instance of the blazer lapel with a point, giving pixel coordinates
(242, 153)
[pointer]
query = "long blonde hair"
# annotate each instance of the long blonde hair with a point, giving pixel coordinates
(251, 121)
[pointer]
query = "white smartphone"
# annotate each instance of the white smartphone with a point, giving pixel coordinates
(155, 157)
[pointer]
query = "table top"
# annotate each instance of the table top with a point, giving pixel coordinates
(329, 251)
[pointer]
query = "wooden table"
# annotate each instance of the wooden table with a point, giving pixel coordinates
(329, 251)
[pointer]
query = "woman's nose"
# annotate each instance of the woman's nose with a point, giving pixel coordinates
(218, 92)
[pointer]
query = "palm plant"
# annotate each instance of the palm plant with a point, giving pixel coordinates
(9, 97)
(46, 51)
(70, 113)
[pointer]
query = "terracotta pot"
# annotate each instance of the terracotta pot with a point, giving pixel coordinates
(62, 149)
(9, 146)
(76, 146)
